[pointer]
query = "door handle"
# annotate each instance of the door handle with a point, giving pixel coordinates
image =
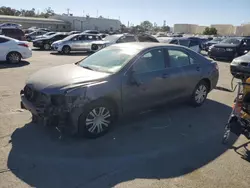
(198, 68)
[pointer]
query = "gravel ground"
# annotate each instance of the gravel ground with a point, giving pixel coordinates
(178, 146)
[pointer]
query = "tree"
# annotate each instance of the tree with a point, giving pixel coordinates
(165, 28)
(7, 11)
(210, 31)
(146, 25)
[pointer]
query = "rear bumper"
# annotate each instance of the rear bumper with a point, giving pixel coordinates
(27, 54)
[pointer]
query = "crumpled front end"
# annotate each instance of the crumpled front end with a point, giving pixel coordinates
(53, 110)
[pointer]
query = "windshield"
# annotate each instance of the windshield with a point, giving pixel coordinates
(231, 41)
(112, 38)
(217, 39)
(109, 60)
(70, 37)
(184, 42)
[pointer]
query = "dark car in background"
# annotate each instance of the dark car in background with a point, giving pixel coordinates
(14, 33)
(207, 44)
(88, 96)
(45, 43)
(230, 48)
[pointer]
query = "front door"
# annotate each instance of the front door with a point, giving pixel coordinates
(148, 85)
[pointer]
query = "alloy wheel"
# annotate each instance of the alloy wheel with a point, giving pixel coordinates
(98, 120)
(200, 94)
(14, 58)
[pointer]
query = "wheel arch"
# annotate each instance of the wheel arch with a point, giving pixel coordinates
(13, 51)
(208, 82)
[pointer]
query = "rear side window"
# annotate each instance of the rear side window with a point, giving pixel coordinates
(194, 43)
(173, 42)
(151, 61)
(178, 58)
(3, 40)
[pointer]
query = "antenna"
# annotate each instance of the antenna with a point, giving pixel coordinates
(97, 13)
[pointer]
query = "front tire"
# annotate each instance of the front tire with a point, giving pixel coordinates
(14, 57)
(96, 120)
(46, 47)
(66, 50)
(199, 94)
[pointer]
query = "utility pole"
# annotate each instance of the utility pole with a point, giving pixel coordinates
(164, 23)
(68, 11)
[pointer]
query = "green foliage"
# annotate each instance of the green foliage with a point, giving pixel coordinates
(210, 31)
(27, 13)
(146, 25)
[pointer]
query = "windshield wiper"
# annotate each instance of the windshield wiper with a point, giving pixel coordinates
(87, 67)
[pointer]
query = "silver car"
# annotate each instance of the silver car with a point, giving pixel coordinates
(76, 42)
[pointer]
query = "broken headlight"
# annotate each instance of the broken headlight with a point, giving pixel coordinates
(59, 100)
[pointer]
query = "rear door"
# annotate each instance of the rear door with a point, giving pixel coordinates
(188, 68)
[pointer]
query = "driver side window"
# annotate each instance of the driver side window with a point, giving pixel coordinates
(151, 61)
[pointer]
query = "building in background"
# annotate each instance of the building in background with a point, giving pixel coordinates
(185, 28)
(200, 29)
(224, 29)
(88, 23)
(26, 22)
(245, 29)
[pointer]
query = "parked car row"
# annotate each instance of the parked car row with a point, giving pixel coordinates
(65, 43)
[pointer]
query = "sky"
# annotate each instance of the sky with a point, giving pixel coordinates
(202, 12)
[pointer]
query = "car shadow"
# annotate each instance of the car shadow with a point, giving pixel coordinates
(163, 143)
(6, 65)
(73, 54)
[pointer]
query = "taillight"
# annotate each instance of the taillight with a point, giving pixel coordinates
(24, 45)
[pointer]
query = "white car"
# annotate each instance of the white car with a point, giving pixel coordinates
(10, 25)
(13, 50)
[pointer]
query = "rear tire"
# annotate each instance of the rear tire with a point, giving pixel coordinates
(97, 119)
(199, 94)
(14, 57)
(66, 50)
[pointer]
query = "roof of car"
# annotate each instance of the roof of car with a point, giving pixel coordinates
(142, 45)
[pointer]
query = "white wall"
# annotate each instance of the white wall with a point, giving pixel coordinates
(83, 23)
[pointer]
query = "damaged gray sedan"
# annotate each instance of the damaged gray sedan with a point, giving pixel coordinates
(88, 96)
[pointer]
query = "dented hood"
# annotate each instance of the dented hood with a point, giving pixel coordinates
(53, 80)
